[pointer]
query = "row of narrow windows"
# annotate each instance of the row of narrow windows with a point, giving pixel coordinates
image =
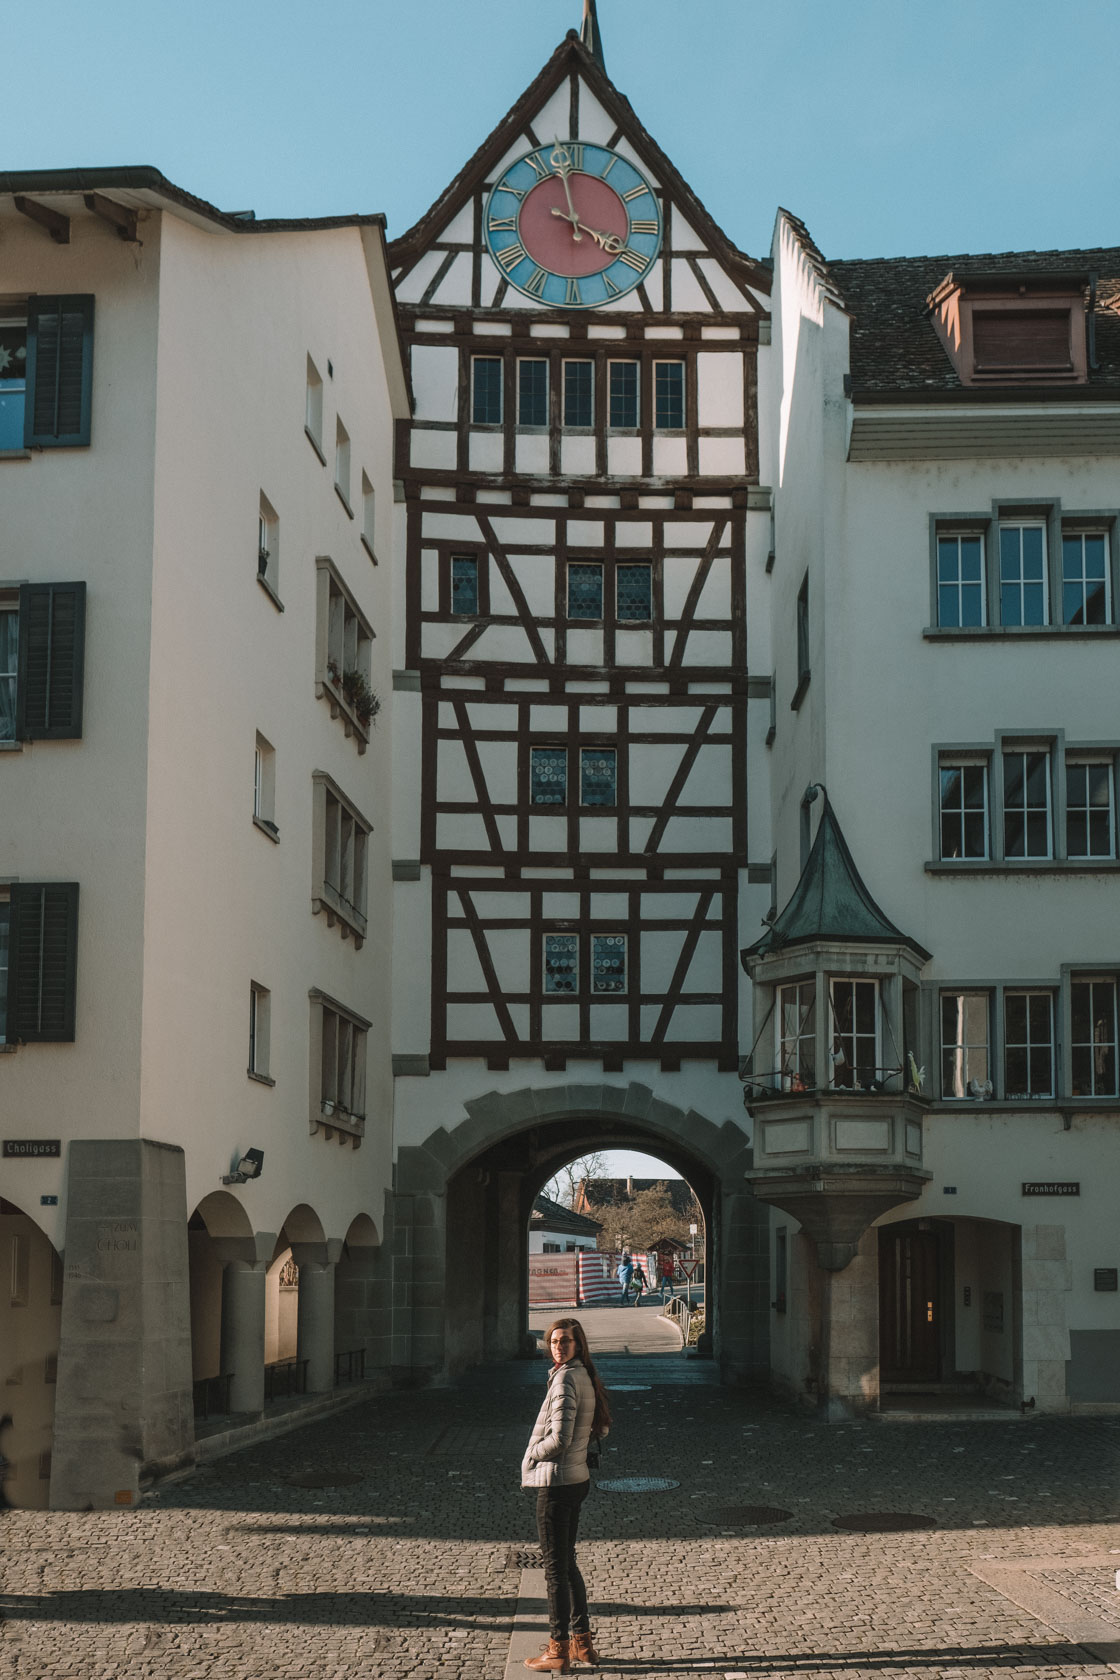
(577, 397)
(1022, 590)
(585, 588)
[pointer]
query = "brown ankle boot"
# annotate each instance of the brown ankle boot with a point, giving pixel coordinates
(554, 1657)
(582, 1650)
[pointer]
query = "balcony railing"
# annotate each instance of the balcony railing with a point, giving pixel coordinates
(349, 1367)
(285, 1377)
(211, 1396)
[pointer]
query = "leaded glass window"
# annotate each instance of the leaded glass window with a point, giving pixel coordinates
(579, 394)
(1026, 805)
(608, 962)
(1028, 1045)
(960, 580)
(965, 1042)
(1022, 574)
(598, 776)
(9, 662)
(1093, 1037)
(585, 589)
(623, 394)
(1085, 577)
(668, 395)
(1090, 810)
(548, 776)
(487, 404)
(464, 583)
(634, 591)
(532, 392)
(561, 962)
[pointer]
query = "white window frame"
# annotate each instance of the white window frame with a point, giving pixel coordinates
(964, 1048)
(1011, 523)
(1078, 533)
(1012, 748)
(796, 1071)
(369, 513)
(1030, 1045)
(959, 584)
(313, 408)
(948, 762)
(264, 787)
(1089, 761)
(835, 1033)
(1092, 979)
(342, 463)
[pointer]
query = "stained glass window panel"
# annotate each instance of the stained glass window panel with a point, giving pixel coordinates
(561, 962)
(598, 776)
(548, 776)
(608, 962)
(585, 589)
(464, 583)
(634, 591)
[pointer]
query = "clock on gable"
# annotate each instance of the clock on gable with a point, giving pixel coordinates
(573, 225)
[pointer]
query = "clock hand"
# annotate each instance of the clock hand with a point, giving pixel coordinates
(562, 163)
(609, 241)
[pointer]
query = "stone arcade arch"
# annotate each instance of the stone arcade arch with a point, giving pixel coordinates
(463, 1201)
(30, 1317)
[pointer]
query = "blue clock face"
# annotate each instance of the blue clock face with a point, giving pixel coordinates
(573, 225)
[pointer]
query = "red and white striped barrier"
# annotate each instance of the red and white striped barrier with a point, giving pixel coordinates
(597, 1287)
(553, 1280)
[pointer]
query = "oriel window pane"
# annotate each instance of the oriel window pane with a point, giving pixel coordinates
(487, 403)
(634, 591)
(464, 583)
(585, 589)
(548, 776)
(532, 392)
(561, 962)
(608, 962)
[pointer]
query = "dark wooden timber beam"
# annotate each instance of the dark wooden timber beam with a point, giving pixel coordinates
(56, 224)
(123, 219)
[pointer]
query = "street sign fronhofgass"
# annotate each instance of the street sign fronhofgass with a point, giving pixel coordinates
(1051, 1187)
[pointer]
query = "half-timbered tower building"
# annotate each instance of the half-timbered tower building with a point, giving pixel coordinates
(576, 699)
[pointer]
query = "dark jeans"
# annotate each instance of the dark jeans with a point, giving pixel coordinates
(557, 1524)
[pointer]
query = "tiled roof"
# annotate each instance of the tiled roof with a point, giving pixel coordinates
(894, 346)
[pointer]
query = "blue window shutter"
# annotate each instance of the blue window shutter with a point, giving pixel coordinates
(59, 372)
(52, 620)
(42, 962)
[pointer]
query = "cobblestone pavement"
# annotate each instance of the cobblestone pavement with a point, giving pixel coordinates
(377, 1543)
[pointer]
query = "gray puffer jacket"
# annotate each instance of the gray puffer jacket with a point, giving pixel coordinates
(557, 1452)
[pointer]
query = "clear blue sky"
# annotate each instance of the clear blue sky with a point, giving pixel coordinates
(890, 126)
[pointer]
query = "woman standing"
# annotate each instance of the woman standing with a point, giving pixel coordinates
(555, 1465)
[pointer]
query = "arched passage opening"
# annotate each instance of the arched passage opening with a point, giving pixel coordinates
(30, 1320)
(299, 1308)
(362, 1302)
(466, 1196)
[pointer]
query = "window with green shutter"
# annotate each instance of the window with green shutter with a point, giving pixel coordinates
(59, 372)
(51, 661)
(42, 961)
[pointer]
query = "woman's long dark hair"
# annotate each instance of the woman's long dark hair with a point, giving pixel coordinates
(601, 1422)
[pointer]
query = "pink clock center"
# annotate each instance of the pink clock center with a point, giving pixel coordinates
(549, 239)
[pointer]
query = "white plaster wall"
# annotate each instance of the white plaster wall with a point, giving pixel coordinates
(223, 904)
(75, 810)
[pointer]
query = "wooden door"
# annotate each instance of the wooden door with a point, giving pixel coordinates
(909, 1306)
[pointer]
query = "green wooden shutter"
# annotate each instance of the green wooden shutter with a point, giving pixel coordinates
(42, 961)
(52, 620)
(59, 372)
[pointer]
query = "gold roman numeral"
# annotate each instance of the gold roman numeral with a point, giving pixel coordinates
(611, 161)
(535, 163)
(572, 293)
(632, 259)
(612, 289)
(635, 192)
(499, 224)
(517, 192)
(535, 282)
(510, 257)
(636, 227)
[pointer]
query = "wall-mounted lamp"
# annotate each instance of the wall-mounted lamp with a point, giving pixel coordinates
(249, 1166)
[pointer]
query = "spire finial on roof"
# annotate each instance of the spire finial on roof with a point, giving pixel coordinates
(589, 33)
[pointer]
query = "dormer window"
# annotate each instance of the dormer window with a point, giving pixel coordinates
(1006, 330)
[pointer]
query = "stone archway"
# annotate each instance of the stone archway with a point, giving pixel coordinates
(463, 1200)
(30, 1318)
